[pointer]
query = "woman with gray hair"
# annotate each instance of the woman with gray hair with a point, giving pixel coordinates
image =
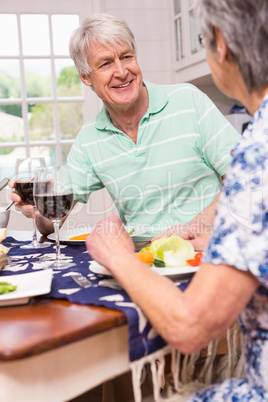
(232, 281)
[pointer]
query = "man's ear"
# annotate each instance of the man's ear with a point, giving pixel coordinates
(221, 47)
(85, 79)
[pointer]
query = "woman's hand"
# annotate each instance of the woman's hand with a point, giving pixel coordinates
(109, 241)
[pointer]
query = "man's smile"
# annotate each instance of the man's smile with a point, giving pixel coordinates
(123, 85)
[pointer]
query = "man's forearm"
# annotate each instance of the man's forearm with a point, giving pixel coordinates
(203, 222)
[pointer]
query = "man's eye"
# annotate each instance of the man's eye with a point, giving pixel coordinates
(106, 64)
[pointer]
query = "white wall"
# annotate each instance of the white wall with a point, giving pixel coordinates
(150, 22)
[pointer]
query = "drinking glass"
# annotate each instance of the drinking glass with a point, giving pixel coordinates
(53, 196)
(25, 169)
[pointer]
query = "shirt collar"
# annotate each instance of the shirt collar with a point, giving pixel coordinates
(157, 101)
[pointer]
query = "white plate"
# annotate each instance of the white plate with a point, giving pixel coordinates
(65, 235)
(28, 285)
(167, 271)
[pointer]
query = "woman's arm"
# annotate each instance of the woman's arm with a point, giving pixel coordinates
(188, 320)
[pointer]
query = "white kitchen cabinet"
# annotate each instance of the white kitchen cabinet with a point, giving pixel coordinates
(190, 57)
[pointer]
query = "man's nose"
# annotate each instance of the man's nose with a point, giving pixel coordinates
(120, 70)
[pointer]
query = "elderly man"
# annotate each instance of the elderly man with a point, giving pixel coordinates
(160, 151)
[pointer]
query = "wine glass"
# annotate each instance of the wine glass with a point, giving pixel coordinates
(53, 196)
(25, 169)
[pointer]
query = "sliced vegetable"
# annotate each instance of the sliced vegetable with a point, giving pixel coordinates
(6, 287)
(198, 256)
(145, 256)
(84, 236)
(80, 237)
(195, 262)
(159, 263)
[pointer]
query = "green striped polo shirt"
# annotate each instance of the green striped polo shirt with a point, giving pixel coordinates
(173, 171)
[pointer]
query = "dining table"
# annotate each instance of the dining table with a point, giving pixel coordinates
(54, 350)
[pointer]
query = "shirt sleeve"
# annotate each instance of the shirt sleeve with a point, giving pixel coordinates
(217, 136)
(240, 237)
(83, 176)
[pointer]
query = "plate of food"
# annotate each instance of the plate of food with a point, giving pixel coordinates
(18, 289)
(72, 236)
(78, 236)
(183, 271)
(172, 256)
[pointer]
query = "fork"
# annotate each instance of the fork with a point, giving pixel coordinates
(82, 281)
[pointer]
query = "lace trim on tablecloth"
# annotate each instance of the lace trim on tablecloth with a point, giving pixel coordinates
(184, 380)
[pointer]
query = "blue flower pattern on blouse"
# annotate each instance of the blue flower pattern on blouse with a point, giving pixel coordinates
(240, 239)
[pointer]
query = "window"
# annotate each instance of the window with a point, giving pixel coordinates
(42, 100)
(187, 46)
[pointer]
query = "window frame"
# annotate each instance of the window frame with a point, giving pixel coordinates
(88, 99)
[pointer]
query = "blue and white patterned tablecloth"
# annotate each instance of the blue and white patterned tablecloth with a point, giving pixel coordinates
(143, 339)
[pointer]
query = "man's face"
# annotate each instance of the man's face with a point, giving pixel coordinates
(115, 75)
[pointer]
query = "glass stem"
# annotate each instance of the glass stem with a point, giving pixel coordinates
(34, 241)
(56, 225)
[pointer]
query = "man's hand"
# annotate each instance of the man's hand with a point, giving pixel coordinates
(198, 240)
(198, 230)
(26, 209)
(197, 233)
(108, 241)
(45, 226)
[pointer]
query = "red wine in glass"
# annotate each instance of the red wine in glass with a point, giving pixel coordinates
(54, 207)
(25, 191)
(54, 202)
(25, 170)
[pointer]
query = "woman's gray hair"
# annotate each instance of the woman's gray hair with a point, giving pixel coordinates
(100, 28)
(244, 24)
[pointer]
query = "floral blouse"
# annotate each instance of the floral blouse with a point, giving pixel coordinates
(240, 239)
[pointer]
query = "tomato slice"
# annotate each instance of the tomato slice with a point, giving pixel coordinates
(194, 263)
(198, 256)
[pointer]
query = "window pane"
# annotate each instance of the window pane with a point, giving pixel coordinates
(9, 79)
(38, 78)
(51, 158)
(9, 45)
(178, 40)
(35, 35)
(48, 153)
(71, 119)
(62, 27)
(11, 125)
(7, 160)
(177, 6)
(65, 149)
(41, 126)
(68, 80)
(194, 31)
